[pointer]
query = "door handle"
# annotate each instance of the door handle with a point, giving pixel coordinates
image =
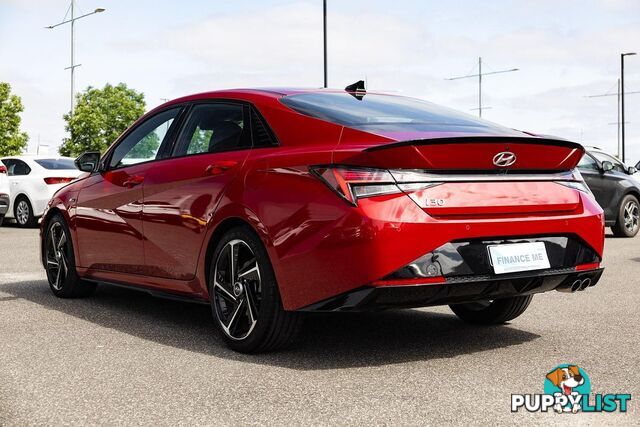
(218, 168)
(132, 181)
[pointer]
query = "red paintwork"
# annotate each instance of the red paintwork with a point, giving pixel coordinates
(151, 224)
(470, 199)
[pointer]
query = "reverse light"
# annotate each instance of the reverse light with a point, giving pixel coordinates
(54, 181)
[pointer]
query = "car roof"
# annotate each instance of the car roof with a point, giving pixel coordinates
(256, 94)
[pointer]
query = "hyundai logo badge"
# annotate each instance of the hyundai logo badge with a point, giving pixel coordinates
(504, 159)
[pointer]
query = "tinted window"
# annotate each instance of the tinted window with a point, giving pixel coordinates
(16, 167)
(56, 163)
(602, 157)
(143, 143)
(212, 128)
(587, 162)
(387, 113)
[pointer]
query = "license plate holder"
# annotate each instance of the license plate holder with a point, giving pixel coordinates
(516, 257)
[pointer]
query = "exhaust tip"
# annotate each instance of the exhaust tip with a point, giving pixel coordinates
(585, 284)
(577, 285)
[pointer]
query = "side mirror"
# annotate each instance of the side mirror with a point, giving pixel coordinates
(607, 166)
(88, 162)
(631, 170)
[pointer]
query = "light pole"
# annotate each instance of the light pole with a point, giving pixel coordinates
(324, 37)
(622, 55)
(71, 21)
(479, 76)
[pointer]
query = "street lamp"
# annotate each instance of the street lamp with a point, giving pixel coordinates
(622, 55)
(71, 21)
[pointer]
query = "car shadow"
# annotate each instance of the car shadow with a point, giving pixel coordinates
(327, 341)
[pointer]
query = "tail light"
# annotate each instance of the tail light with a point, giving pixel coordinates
(3, 169)
(574, 180)
(53, 181)
(357, 183)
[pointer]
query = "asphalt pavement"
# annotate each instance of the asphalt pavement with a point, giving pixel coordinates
(125, 357)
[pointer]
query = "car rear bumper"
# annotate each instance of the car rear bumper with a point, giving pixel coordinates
(458, 290)
(341, 249)
(4, 203)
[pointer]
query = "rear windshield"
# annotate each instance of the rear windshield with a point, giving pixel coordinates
(375, 112)
(56, 163)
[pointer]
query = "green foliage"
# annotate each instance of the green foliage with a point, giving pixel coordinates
(147, 148)
(100, 116)
(12, 141)
(199, 141)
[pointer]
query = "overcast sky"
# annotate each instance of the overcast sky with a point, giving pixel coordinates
(565, 50)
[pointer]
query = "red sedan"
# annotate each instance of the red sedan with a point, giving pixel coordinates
(270, 203)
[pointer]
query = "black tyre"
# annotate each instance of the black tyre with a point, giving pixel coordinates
(628, 215)
(1, 220)
(23, 212)
(60, 262)
(244, 295)
(492, 312)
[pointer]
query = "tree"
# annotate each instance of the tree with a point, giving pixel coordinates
(100, 116)
(12, 141)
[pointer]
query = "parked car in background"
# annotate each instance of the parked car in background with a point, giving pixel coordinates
(4, 192)
(615, 188)
(266, 203)
(33, 180)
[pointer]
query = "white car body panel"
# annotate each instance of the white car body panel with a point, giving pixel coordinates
(4, 193)
(33, 185)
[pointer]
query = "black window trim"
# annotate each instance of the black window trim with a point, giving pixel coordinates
(245, 116)
(248, 107)
(166, 149)
(265, 123)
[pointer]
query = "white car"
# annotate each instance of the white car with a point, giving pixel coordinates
(33, 180)
(4, 192)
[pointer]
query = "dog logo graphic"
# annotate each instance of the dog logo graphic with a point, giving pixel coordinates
(567, 380)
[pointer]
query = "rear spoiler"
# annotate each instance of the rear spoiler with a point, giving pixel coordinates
(474, 139)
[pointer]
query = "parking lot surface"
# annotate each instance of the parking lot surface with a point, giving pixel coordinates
(125, 357)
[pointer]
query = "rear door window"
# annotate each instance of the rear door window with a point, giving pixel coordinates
(211, 128)
(16, 167)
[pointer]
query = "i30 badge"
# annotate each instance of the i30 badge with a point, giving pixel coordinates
(504, 159)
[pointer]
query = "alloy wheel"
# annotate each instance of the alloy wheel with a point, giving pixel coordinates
(237, 289)
(22, 212)
(56, 256)
(631, 216)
